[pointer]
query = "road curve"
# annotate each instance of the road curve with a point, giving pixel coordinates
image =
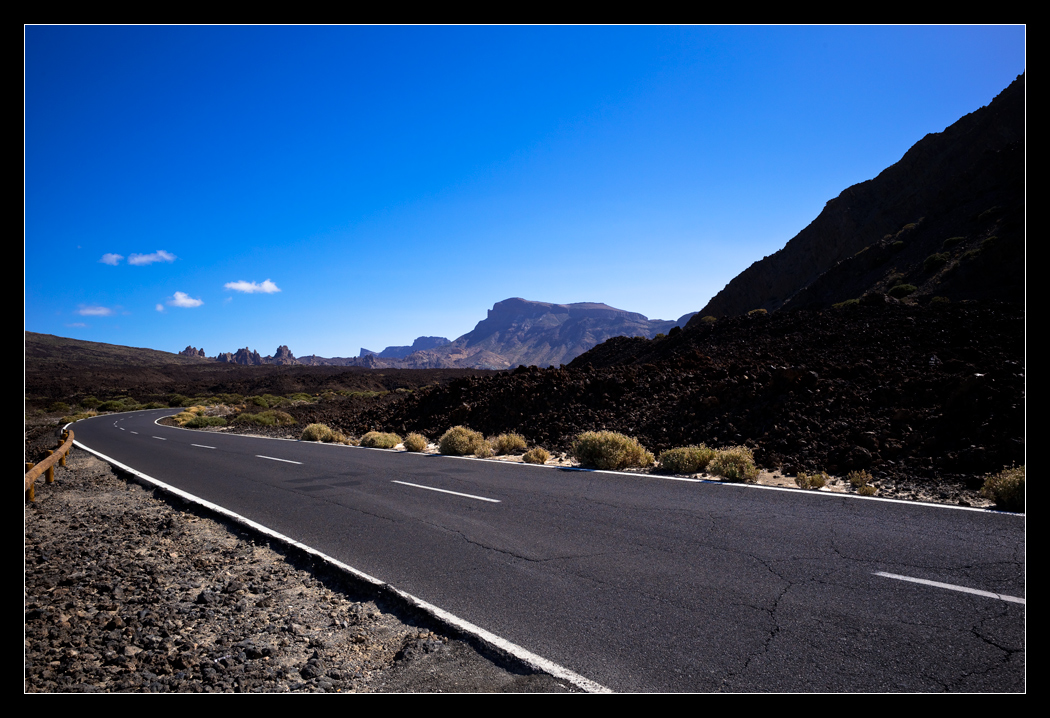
(637, 582)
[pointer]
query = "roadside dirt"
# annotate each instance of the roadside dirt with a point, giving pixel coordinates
(129, 591)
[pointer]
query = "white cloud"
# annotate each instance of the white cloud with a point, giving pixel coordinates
(266, 287)
(78, 325)
(159, 256)
(94, 311)
(181, 299)
(160, 307)
(111, 259)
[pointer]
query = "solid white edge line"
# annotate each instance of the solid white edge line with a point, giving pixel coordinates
(274, 458)
(528, 657)
(952, 587)
(445, 491)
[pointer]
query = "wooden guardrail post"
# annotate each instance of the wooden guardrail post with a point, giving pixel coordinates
(33, 472)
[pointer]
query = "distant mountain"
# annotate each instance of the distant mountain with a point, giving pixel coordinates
(518, 331)
(947, 220)
(420, 344)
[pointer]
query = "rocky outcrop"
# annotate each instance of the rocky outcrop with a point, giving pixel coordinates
(190, 351)
(244, 357)
(947, 219)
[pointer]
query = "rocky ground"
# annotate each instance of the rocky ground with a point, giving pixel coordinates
(126, 590)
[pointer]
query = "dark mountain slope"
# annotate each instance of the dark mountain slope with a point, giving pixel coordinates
(948, 219)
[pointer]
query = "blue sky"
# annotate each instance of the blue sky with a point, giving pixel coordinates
(330, 188)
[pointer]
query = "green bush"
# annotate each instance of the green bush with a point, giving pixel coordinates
(708, 319)
(1006, 489)
(272, 417)
(735, 463)
(951, 242)
(857, 479)
(847, 303)
(900, 291)
(867, 491)
(415, 442)
(609, 450)
(508, 444)
(935, 261)
(759, 311)
(686, 460)
(811, 481)
(59, 407)
(461, 441)
(200, 422)
(379, 440)
(538, 455)
(90, 402)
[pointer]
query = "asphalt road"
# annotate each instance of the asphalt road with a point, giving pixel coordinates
(637, 582)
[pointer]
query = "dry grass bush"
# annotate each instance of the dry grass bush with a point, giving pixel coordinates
(273, 417)
(1006, 489)
(686, 459)
(609, 450)
(857, 479)
(735, 463)
(379, 440)
(508, 444)
(79, 415)
(867, 490)
(811, 481)
(321, 432)
(415, 442)
(461, 441)
(538, 455)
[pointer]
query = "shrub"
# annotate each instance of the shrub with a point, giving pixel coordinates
(378, 440)
(686, 459)
(89, 402)
(538, 455)
(940, 301)
(951, 242)
(756, 312)
(415, 442)
(902, 290)
(867, 491)
(811, 481)
(708, 319)
(857, 479)
(935, 261)
(79, 415)
(1006, 489)
(59, 407)
(273, 417)
(508, 444)
(609, 450)
(317, 432)
(735, 463)
(200, 422)
(847, 303)
(461, 441)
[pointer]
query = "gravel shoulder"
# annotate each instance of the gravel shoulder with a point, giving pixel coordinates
(127, 590)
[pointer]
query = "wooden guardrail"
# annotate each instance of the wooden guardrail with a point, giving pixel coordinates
(47, 466)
